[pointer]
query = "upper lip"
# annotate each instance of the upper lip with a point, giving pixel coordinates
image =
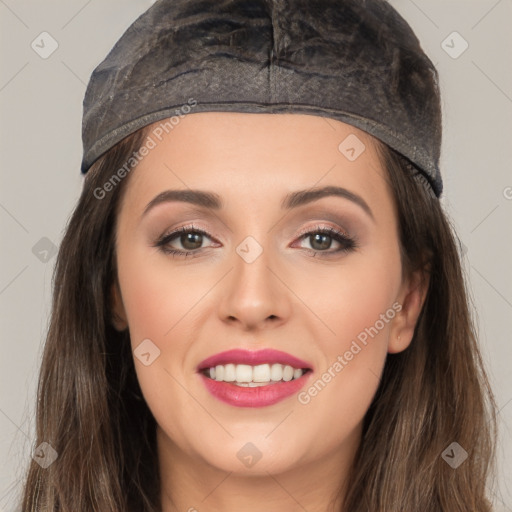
(253, 357)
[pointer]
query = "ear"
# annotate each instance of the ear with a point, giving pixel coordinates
(411, 298)
(118, 319)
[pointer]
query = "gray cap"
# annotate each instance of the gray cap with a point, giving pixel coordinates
(356, 61)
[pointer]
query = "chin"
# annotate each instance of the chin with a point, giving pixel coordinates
(255, 458)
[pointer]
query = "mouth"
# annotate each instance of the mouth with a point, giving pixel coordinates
(245, 378)
(245, 375)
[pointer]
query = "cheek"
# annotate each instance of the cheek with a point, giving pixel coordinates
(354, 299)
(159, 306)
(357, 307)
(156, 297)
(365, 304)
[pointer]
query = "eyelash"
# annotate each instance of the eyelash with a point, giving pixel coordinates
(348, 243)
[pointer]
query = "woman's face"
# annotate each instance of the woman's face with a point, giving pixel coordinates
(260, 274)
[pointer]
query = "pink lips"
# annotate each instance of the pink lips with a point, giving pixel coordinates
(260, 396)
(240, 356)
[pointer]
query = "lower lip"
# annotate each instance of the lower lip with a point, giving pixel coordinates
(260, 396)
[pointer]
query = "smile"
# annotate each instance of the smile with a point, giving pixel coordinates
(245, 378)
(253, 376)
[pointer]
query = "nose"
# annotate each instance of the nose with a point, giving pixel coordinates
(255, 295)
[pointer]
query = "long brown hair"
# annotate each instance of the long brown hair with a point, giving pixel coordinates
(90, 407)
(434, 393)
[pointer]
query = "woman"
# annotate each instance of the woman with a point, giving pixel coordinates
(262, 311)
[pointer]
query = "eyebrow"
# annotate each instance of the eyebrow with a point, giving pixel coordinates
(292, 200)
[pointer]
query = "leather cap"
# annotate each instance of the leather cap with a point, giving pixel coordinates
(356, 61)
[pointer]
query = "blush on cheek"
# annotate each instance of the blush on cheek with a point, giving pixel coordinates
(366, 312)
(152, 301)
(357, 354)
(363, 323)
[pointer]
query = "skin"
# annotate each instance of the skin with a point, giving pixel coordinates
(310, 307)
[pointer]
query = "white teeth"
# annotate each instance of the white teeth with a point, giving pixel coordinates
(261, 373)
(229, 373)
(253, 376)
(243, 373)
(287, 373)
(219, 372)
(252, 384)
(276, 372)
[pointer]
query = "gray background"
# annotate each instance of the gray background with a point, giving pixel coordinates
(41, 108)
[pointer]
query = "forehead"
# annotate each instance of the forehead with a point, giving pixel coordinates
(253, 156)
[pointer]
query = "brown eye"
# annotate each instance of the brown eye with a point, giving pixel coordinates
(190, 238)
(321, 240)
